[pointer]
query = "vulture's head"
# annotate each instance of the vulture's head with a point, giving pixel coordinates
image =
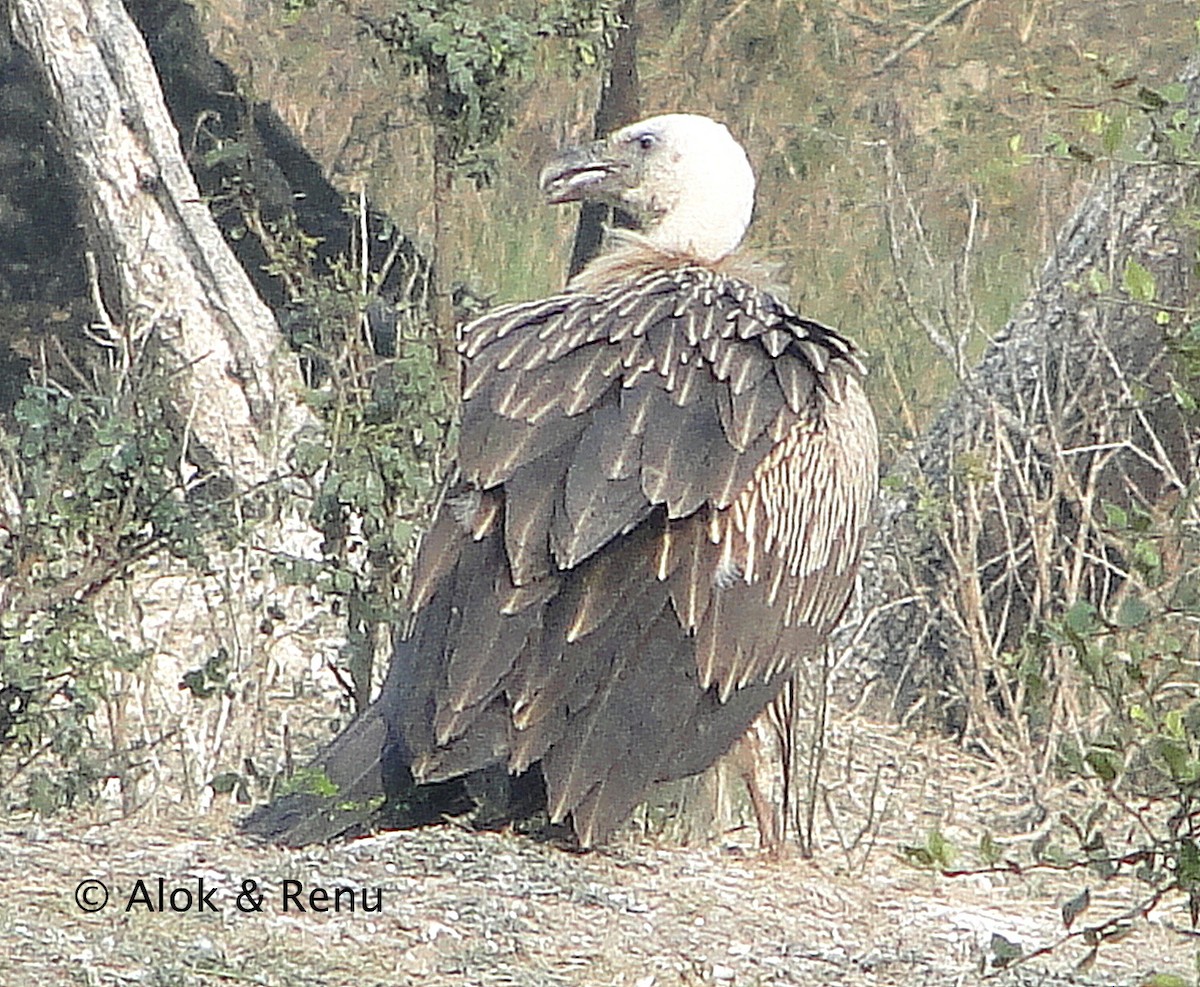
(683, 178)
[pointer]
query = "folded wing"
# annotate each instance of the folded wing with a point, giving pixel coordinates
(663, 485)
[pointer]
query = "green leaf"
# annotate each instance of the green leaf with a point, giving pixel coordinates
(1183, 397)
(1137, 282)
(1191, 720)
(1097, 281)
(1113, 135)
(95, 458)
(1004, 951)
(196, 683)
(1145, 555)
(32, 412)
(1181, 765)
(401, 533)
(1187, 868)
(1151, 99)
(1104, 763)
(1058, 146)
(1081, 619)
(1072, 909)
(1116, 516)
(225, 782)
(941, 850)
(1132, 612)
(312, 781)
(228, 152)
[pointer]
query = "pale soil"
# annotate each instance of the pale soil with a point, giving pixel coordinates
(496, 908)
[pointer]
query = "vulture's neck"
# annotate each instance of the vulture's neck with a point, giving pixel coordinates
(629, 256)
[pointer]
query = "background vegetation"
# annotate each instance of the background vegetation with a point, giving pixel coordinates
(908, 194)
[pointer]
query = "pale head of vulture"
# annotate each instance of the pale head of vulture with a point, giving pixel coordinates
(683, 178)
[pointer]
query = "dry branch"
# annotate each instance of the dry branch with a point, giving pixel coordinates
(921, 33)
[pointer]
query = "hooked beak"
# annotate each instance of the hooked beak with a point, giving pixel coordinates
(579, 173)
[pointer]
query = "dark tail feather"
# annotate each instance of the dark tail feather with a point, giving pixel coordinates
(342, 789)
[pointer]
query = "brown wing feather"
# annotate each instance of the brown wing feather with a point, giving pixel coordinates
(788, 546)
(678, 470)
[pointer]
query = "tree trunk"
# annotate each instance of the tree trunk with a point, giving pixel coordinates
(996, 522)
(620, 104)
(173, 307)
(165, 272)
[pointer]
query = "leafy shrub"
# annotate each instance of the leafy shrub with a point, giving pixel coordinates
(371, 358)
(94, 473)
(1141, 661)
(471, 58)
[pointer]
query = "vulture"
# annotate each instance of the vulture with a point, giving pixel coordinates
(656, 516)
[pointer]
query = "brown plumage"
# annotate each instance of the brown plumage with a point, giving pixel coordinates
(663, 480)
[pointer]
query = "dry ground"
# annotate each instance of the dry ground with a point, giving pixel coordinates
(460, 907)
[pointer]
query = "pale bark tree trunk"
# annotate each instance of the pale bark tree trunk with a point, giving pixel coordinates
(165, 272)
(177, 311)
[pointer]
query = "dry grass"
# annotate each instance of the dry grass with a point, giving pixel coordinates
(460, 907)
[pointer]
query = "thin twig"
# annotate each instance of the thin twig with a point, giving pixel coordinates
(920, 34)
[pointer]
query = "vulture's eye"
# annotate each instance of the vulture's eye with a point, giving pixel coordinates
(646, 141)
